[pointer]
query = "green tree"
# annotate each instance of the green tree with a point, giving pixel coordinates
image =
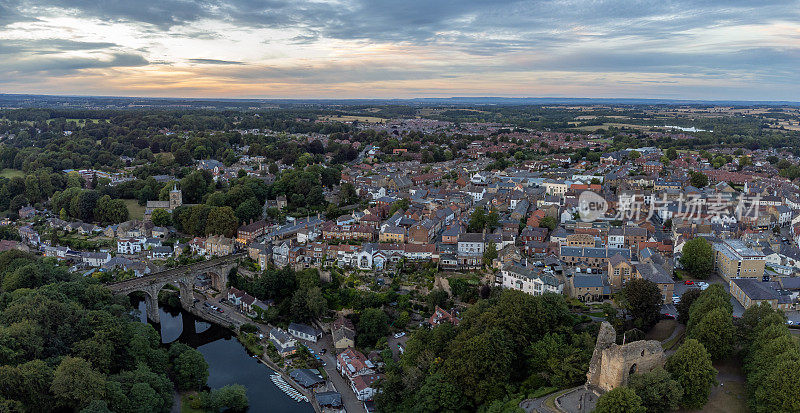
(710, 299)
(110, 211)
(672, 154)
(373, 324)
(548, 222)
(642, 298)
(716, 332)
(633, 155)
(659, 392)
(183, 157)
(249, 210)
(75, 384)
(161, 218)
(477, 220)
(698, 179)
(191, 370)
(687, 299)
(74, 180)
(619, 400)
(222, 221)
(193, 187)
(691, 367)
(490, 253)
(82, 207)
(439, 394)
(697, 257)
(232, 397)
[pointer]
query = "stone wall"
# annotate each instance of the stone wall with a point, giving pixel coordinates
(612, 364)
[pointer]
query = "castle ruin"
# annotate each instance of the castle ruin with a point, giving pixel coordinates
(612, 364)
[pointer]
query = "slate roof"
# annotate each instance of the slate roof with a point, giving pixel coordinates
(306, 377)
(757, 289)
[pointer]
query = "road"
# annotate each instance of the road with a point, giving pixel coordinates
(351, 403)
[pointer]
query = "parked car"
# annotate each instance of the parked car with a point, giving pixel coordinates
(688, 282)
(676, 299)
(400, 334)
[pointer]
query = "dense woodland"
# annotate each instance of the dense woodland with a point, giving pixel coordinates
(520, 344)
(67, 344)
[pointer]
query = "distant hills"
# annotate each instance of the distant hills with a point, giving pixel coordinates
(121, 102)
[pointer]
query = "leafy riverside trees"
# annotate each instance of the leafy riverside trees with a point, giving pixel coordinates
(505, 347)
(67, 344)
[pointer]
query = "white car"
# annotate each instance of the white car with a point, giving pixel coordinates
(676, 299)
(400, 334)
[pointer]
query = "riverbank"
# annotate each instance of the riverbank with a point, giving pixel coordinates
(228, 360)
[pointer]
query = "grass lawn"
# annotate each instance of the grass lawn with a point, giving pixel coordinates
(185, 407)
(11, 173)
(675, 342)
(662, 330)
(731, 396)
(135, 211)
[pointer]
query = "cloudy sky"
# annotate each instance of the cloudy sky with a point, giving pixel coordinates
(694, 49)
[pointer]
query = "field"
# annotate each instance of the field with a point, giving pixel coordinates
(349, 118)
(593, 128)
(11, 173)
(135, 211)
(79, 122)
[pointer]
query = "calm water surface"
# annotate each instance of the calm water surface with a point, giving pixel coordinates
(228, 361)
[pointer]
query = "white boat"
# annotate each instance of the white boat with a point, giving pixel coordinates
(290, 391)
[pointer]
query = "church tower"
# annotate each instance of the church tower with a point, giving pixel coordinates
(175, 198)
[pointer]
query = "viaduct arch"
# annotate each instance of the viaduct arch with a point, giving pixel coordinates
(183, 277)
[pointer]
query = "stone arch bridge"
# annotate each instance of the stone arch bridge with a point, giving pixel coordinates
(218, 268)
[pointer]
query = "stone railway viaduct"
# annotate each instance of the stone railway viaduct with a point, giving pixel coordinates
(183, 277)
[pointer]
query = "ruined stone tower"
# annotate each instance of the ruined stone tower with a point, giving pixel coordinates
(612, 364)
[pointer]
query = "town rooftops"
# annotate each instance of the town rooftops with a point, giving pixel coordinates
(329, 398)
(302, 328)
(471, 237)
(757, 289)
(306, 377)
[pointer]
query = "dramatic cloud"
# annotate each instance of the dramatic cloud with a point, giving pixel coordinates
(387, 48)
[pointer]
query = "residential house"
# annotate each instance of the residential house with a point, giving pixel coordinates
(130, 245)
(440, 316)
(530, 280)
(304, 332)
(589, 287)
(247, 233)
(284, 343)
(95, 259)
(219, 245)
(343, 333)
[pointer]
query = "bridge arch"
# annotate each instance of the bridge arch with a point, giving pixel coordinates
(182, 277)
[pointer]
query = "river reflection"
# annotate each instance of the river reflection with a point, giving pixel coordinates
(228, 361)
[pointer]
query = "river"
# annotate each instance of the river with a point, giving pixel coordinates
(228, 361)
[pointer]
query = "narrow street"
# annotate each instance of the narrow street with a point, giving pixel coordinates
(349, 400)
